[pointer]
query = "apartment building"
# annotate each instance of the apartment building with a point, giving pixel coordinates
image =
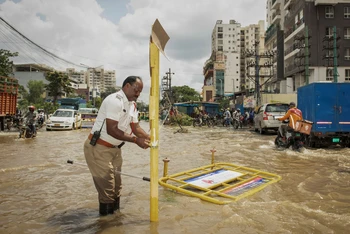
(222, 70)
(100, 79)
(252, 44)
(316, 41)
(77, 77)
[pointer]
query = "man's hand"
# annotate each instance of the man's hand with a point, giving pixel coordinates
(143, 143)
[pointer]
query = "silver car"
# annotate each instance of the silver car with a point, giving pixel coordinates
(266, 117)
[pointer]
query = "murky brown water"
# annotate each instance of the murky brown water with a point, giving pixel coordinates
(41, 193)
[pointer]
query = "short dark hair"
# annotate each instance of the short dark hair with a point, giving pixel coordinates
(131, 80)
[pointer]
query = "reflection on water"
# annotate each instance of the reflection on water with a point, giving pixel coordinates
(41, 193)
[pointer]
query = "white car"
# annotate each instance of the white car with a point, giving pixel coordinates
(64, 119)
(266, 117)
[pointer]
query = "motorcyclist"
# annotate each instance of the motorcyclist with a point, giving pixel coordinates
(31, 116)
(227, 116)
(293, 114)
(41, 116)
(199, 115)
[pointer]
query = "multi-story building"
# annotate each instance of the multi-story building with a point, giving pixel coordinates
(26, 72)
(316, 41)
(252, 39)
(100, 79)
(274, 41)
(225, 72)
(222, 70)
(75, 76)
(109, 80)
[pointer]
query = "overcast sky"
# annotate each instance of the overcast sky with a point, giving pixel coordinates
(115, 33)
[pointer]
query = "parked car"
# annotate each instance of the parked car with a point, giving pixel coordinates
(266, 116)
(63, 119)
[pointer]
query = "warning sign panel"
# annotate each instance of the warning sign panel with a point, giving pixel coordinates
(213, 178)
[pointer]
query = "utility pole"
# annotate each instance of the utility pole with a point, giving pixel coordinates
(257, 70)
(303, 55)
(166, 85)
(331, 52)
(335, 57)
(169, 78)
(93, 87)
(255, 63)
(306, 54)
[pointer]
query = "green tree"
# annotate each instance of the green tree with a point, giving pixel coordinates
(36, 89)
(59, 84)
(109, 90)
(184, 94)
(5, 63)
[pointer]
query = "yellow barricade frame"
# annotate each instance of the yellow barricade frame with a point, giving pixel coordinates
(216, 193)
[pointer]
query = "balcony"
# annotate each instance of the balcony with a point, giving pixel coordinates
(327, 2)
(276, 17)
(294, 30)
(270, 32)
(208, 72)
(288, 4)
(290, 52)
(276, 4)
(292, 69)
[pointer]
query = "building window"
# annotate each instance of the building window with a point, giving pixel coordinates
(347, 33)
(220, 42)
(329, 32)
(329, 75)
(347, 12)
(329, 12)
(347, 74)
(220, 29)
(347, 54)
(220, 48)
(329, 54)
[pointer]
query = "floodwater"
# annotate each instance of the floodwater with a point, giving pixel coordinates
(41, 193)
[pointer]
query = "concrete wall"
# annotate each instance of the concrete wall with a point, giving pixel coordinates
(286, 98)
(25, 77)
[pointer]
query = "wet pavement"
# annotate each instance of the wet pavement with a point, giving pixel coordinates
(41, 193)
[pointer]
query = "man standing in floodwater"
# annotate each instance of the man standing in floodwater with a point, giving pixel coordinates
(116, 122)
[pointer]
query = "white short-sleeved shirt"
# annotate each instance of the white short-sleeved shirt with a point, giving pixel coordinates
(116, 106)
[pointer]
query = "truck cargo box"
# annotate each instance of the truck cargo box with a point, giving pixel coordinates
(8, 95)
(327, 105)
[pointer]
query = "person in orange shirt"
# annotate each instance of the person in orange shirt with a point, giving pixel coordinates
(293, 114)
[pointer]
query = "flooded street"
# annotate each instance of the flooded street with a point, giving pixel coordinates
(41, 193)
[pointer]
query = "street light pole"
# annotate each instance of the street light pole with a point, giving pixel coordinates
(221, 87)
(233, 87)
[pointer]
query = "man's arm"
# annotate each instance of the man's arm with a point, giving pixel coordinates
(114, 131)
(139, 132)
(286, 116)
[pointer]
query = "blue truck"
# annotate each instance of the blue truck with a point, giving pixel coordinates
(327, 105)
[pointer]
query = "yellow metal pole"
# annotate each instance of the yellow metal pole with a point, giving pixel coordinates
(165, 171)
(212, 157)
(154, 128)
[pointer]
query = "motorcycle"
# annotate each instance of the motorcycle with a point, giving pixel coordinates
(293, 139)
(40, 121)
(14, 122)
(237, 121)
(26, 131)
(203, 120)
